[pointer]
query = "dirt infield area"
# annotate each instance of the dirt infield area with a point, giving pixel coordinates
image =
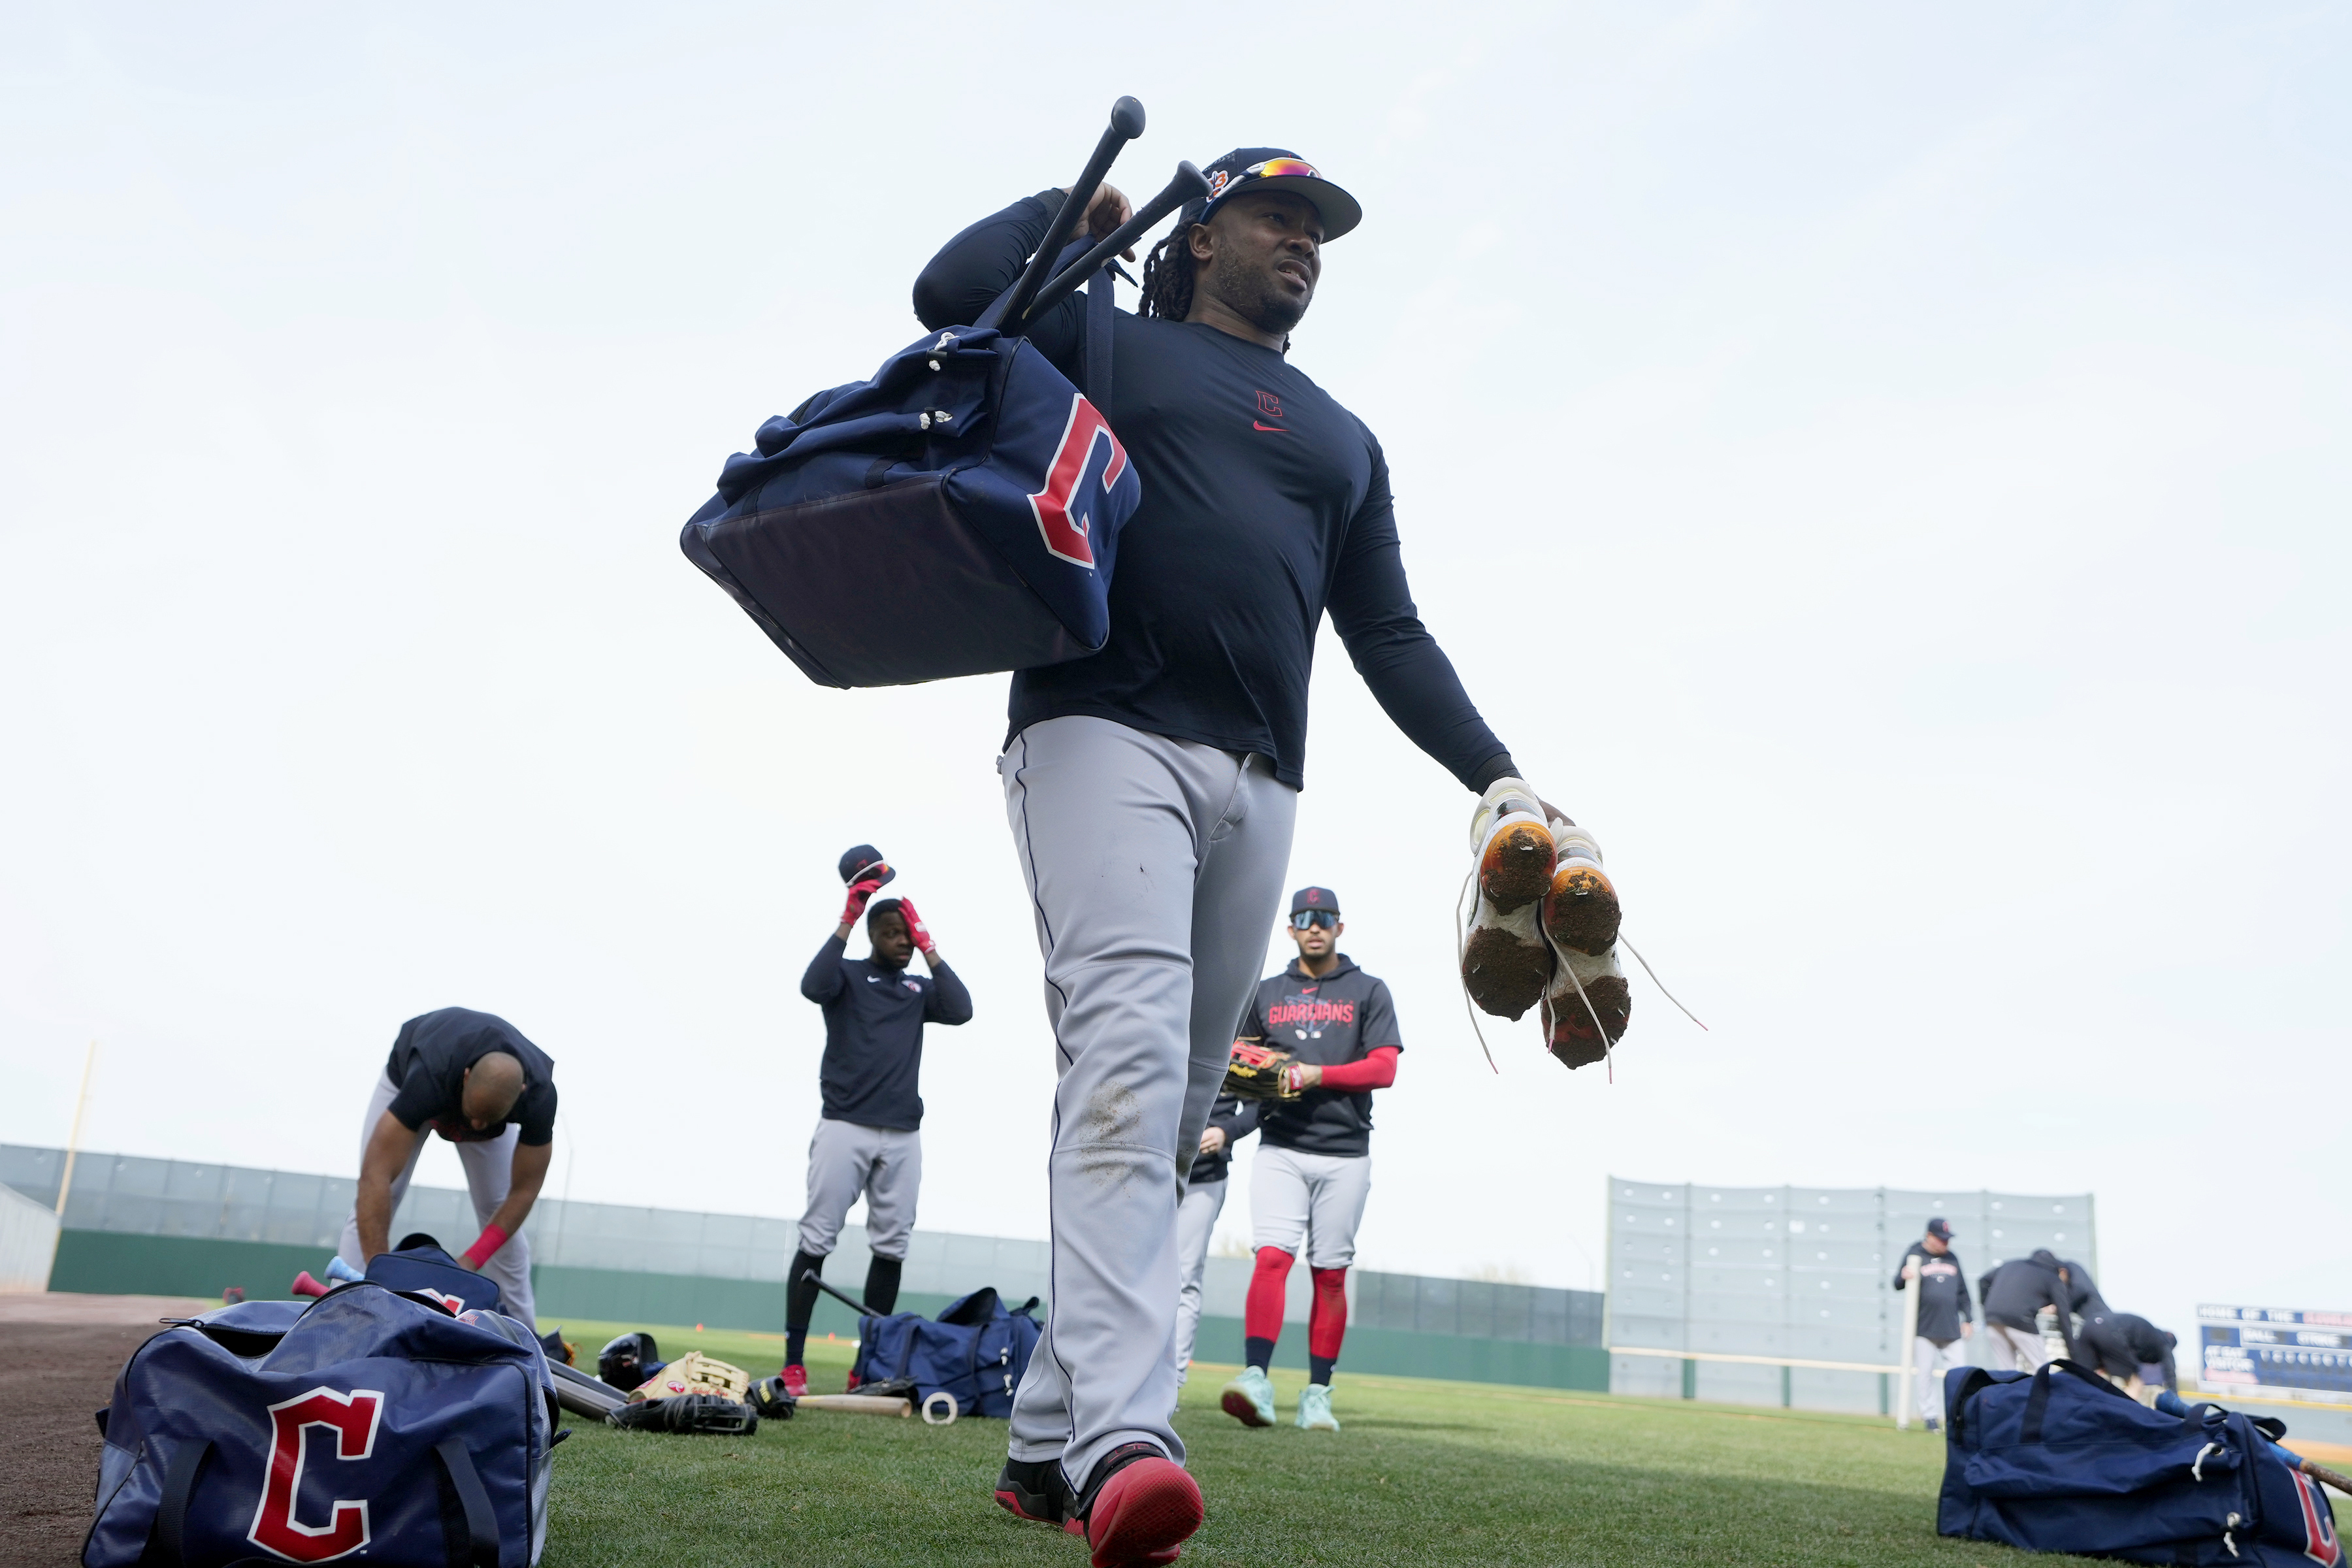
(58, 1356)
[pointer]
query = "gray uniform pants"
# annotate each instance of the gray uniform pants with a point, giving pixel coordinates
(2016, 1350)
(490, 1171)
(1154, 870)
(1930, 1360)
(847, 1158)
(1196, 1220)
(1309, 1202)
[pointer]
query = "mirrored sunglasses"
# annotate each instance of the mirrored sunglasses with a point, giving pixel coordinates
(1306, 917)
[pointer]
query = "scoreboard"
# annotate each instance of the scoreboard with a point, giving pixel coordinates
(2256, 1350)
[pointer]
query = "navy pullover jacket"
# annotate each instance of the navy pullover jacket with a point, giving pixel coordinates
(874, 1020)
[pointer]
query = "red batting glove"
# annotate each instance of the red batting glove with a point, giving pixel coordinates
(858, 893)
(919, 931)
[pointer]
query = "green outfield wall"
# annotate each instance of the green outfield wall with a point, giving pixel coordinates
(119, 1263)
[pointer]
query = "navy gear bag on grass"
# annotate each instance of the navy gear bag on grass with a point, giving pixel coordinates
(975, 1349)
(2060, 1460)
(366, 1425)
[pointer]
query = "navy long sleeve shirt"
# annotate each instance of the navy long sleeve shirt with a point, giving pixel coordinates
(874, 1019)
(1266, 504)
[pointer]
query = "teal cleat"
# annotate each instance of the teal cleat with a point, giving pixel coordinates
(1249, 1398)
(1315, 1409)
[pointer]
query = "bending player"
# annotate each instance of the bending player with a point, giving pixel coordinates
(1231, 1119)
(1314, 1164)
(472, 1078)
(1152, 788)
(868, 1140)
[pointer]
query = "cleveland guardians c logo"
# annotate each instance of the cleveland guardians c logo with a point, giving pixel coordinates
(2318, 1523)
(1066, 507)
(353, 1418)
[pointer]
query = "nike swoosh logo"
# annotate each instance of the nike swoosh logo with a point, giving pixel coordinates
(1278, 430)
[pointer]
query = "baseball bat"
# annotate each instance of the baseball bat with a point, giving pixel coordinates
(858, 1403)
(2321, 1473)
(844, 1296)
(1126, 125)
(1188, 184)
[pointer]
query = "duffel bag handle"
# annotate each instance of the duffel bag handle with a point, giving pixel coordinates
(481, 1519)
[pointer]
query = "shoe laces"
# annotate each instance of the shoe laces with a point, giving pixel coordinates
(1561, 828)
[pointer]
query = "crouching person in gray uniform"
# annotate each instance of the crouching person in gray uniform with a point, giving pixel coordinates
(868, 1140)
(472, 1078)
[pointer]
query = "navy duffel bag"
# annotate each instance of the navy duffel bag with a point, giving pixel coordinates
(974, 1351)
(2062, 1460)
(957, 514)
(960, 512)
(367, 1424)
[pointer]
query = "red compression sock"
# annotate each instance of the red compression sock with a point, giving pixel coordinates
(1262, 1317)
(1327, 1320)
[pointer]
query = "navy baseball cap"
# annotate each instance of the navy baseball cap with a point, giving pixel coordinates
(1276, 169)
(864, 860)
(1313, 898)
(1940, 1228)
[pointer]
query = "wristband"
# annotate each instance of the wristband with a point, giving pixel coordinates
(489, 1241)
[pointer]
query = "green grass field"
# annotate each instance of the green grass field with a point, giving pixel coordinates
(1422, 1473)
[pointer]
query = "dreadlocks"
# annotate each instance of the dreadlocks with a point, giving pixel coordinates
(1168, 277)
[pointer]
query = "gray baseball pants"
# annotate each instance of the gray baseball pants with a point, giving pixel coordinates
(1154, 869)
(1196, 1221)
(847, 1158)
(490, 1171)
(1309, 1203)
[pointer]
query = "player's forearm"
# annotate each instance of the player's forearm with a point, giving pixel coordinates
(1408, 673)
(374, 1209)
(522, 1196)
(951, 1001)
(1377, 1070)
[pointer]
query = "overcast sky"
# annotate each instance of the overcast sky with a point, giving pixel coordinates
(1884, 468)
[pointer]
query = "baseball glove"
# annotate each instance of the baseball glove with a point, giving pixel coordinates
(769, 1398)
(705, 1412)
(1255, 1073)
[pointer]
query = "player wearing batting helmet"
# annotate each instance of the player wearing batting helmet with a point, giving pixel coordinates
(1152, 788)
(1314, 1165)
(475, 1079)
(868, 1141)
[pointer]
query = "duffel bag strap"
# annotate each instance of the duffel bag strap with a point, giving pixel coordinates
(172, 1510)
(481, 1520)
(1098, 329)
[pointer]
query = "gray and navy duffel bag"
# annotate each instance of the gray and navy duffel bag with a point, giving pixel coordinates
(2062, 1460)
(366, 1425)
(957, 513)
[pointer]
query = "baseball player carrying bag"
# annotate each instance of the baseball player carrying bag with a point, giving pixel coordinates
(367, 1424)
(2062, 1460)
(969, 487)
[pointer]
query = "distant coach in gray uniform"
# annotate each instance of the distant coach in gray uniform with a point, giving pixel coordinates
(866, 1141)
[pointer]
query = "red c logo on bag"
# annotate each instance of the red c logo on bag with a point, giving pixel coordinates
(1066, 518)
(353, 1417)
(2318, 1523)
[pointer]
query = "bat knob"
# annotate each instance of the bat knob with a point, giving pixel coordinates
(1127, 118)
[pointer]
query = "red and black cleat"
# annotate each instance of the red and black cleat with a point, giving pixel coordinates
(1033, 1489)
(795, 1378)
(1138, 1509)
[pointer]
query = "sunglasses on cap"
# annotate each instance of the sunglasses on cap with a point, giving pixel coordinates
(1306, 917)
